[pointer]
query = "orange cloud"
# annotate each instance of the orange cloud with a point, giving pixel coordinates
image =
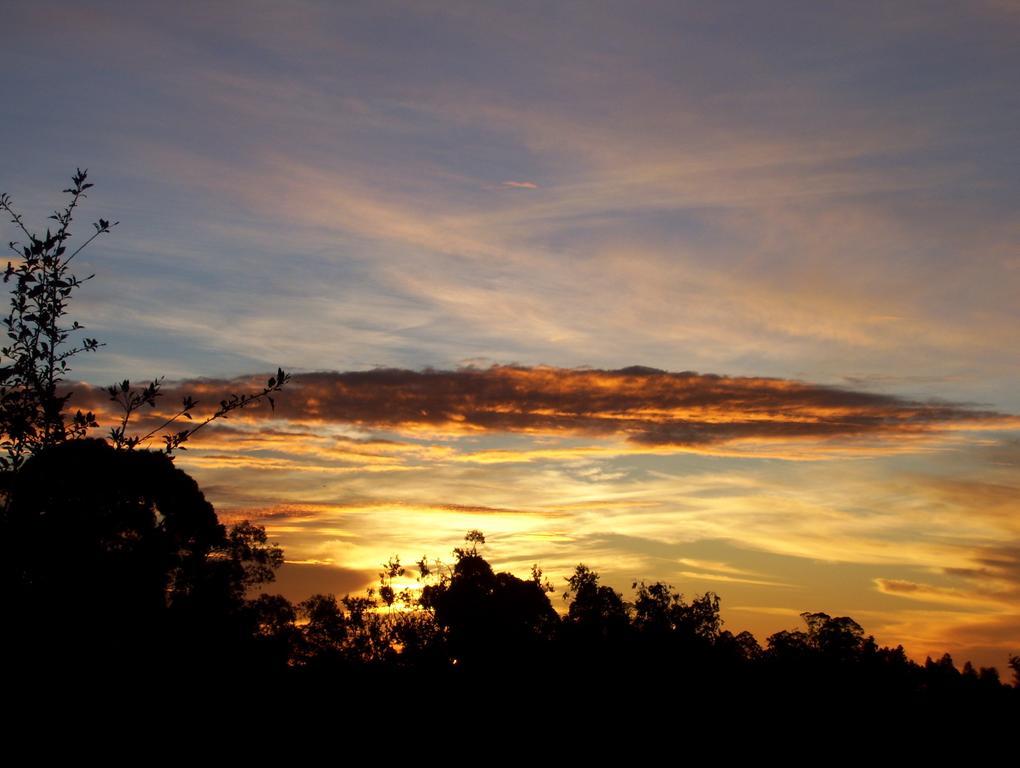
(648, 408)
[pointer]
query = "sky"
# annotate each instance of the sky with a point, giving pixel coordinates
(721, 294)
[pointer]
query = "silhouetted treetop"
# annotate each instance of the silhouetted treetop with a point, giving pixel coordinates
(659, 610)
(596, 611)
(123, 547)
(486, 615)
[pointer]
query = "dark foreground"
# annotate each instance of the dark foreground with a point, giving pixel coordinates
(121, 585)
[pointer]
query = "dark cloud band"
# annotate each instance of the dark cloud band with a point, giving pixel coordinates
(646, 406)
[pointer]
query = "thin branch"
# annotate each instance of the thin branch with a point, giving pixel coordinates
(80, 248)
(16, 218)
(164, 425)
(71, 352)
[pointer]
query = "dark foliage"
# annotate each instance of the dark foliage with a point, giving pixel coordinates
(489, 620)
(117, 560)
(469, 627)
(118, 567)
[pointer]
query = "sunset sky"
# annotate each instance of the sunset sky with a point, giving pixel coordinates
(724, 294)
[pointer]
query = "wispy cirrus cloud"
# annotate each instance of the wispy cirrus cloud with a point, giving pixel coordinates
(926, 592)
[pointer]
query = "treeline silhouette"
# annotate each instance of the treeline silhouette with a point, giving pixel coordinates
(117, 570)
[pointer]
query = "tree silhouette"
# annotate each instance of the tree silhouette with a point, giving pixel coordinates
(114, 555)
(489, 618)
(665, 621)
(596, 629)
(839, 638)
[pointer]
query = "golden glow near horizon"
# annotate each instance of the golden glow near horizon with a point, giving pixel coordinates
(893, 511)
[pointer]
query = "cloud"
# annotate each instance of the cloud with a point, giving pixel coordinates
(919, 591)
(520, 184)
(991, 582)
(996, 631)
(995, 570)
(647, 408)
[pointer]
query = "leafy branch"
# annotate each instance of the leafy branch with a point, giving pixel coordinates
(131, 401)
(35, 359)
(34, 362)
